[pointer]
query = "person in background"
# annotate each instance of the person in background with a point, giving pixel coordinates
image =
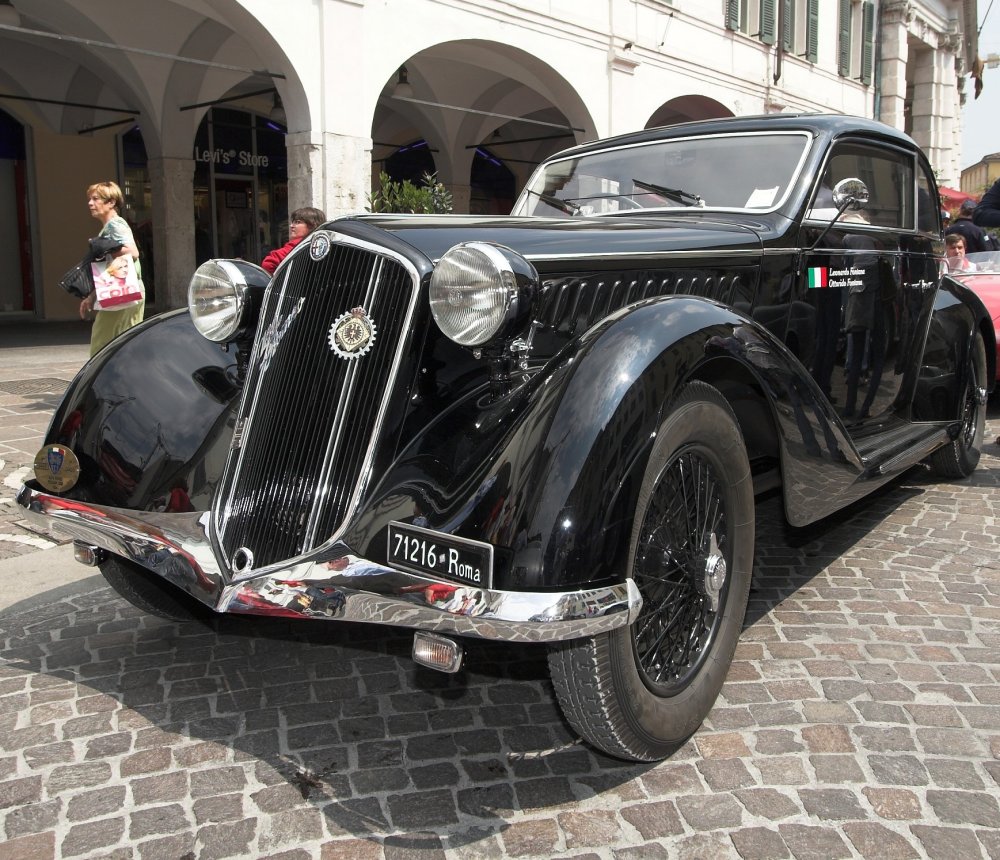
(987, 213)
(975, 237)
(955, 252)
(301, 223)
(105, 202)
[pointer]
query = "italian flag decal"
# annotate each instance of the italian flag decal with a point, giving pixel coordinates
(818, 278)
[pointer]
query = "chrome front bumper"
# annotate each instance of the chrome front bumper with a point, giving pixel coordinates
(331, 583)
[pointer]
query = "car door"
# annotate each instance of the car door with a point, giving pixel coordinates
(871, 279)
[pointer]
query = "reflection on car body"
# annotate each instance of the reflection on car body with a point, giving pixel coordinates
(544, 428)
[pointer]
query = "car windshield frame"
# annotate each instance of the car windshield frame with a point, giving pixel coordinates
(662, 175)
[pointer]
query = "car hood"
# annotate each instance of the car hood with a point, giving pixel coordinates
(986, 286)
(560, 239)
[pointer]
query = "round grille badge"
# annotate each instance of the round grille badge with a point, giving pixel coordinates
(352, 334)
(319, 247)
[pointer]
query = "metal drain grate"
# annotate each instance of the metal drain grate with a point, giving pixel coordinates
(45, 385)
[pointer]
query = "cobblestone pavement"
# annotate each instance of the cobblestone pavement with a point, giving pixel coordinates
(860, 719)
(37, 362)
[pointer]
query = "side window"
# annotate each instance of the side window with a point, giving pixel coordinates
(928, 209)
(888, 176)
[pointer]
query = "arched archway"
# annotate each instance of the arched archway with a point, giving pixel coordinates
(687, 109)
(489, 113)
(103, 99)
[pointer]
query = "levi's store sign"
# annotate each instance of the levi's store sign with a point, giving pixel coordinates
(230, 156)
(823, 277)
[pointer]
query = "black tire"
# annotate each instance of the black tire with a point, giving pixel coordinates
(639, 692)
(959, 458)
(148, 592)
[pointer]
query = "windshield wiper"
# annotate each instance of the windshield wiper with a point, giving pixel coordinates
(678, 195)
(556, 202)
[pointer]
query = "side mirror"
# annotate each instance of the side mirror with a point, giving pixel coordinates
(850, 194)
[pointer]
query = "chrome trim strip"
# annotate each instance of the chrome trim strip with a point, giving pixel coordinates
(702, 255)
(332, 584)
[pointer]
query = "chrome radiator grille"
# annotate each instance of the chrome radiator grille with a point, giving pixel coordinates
(305, 435)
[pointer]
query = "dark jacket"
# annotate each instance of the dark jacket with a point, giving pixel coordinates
(987, 213)
(975, 238)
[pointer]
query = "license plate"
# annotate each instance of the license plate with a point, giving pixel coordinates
(457, 559)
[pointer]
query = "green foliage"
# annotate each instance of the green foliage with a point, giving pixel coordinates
(429, 197)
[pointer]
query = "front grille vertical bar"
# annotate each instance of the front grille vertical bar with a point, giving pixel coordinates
(311, 419)
(329, 458)
(269, 311)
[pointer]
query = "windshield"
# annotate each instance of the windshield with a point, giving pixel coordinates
(741, 172)
(983, 262)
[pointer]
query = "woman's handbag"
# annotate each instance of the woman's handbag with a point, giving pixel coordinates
(116, 284)
(78, 281)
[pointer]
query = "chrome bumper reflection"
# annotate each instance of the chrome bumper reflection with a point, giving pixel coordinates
(332, 583)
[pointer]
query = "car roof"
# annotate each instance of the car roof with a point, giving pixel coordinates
(825, 124)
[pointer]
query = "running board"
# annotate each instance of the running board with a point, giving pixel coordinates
(906, 449)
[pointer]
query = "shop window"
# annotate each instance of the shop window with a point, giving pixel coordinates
(493, 186)
(138, 211)
(16, 292)
(240, 186)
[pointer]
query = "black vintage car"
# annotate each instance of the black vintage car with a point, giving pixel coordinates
(543, 428)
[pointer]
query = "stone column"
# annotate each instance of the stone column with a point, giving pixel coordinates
(329, 171)
(461, 197)
(931, 103)
(172, 181)
(892, 67)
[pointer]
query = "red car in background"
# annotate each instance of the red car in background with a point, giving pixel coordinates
(980, 272)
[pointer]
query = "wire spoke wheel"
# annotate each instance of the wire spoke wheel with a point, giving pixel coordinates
(680, 571)
(959, 458)
(638, 692)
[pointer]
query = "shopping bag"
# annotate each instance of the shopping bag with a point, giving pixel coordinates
(78, 281)
(116, 283)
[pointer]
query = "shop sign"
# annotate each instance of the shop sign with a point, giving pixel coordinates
(230, 156)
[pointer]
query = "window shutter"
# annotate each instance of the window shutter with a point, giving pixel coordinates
(867, 41)
(844, 65)
(732, 14)
(812, 31)
(788, 25)
(767, 27)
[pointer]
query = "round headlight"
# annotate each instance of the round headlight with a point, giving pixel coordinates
(217, 297)
(477, 290)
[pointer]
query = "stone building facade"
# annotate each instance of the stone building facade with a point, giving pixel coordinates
(219, 117)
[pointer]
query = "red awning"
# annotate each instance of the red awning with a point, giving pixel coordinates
(950, 197)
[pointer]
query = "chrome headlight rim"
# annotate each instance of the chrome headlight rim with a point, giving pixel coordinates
(513, 280)
(207, 277)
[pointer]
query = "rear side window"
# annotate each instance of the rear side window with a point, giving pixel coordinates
(888, 176)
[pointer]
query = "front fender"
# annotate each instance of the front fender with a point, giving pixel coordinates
(550, 474)
(151, 417)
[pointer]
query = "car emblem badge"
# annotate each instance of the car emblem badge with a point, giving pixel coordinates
(57, 468)
(319, 247)
(352, 334)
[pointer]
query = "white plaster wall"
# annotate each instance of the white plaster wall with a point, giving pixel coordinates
(343, 53)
